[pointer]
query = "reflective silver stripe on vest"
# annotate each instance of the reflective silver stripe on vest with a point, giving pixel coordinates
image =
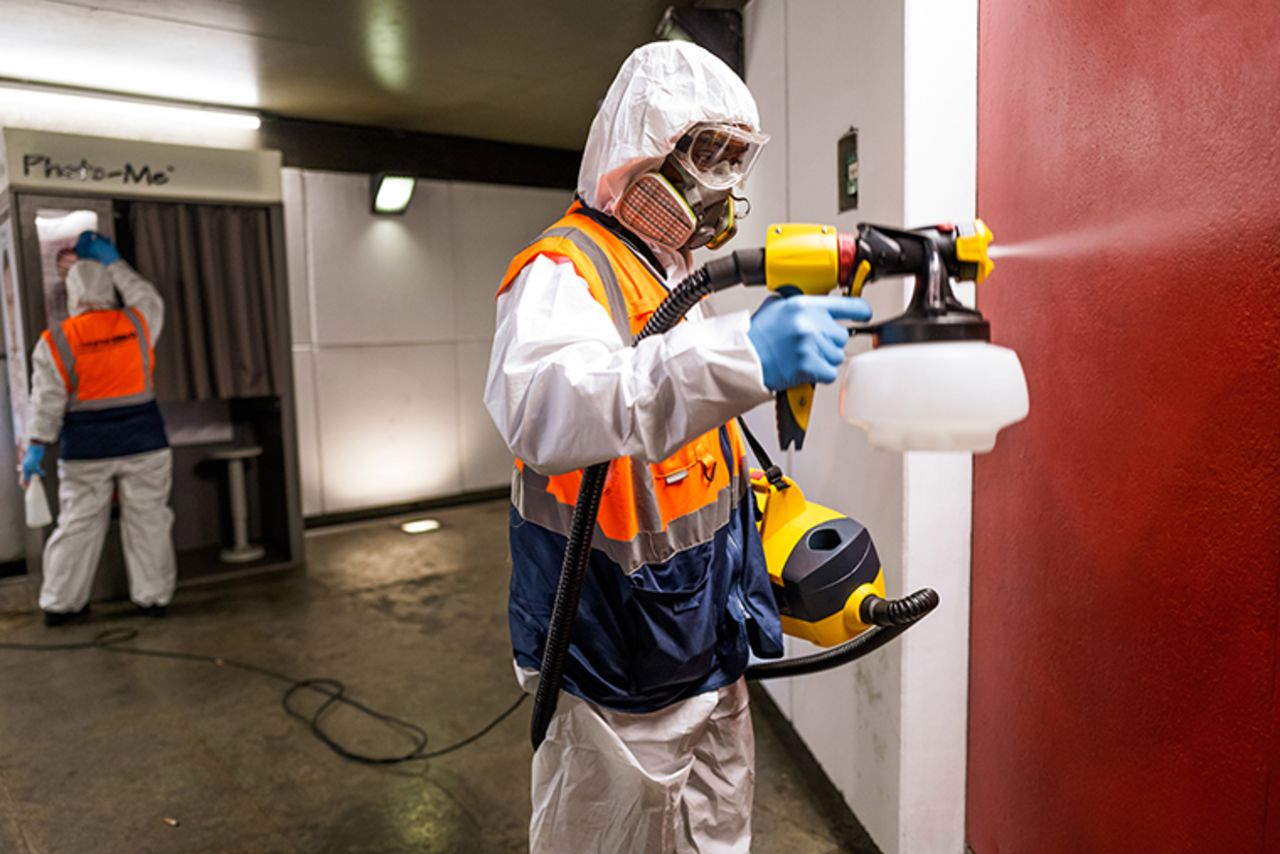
(534, 504)
(74, 403)
(68, 361)
(144, 344)
(604, 269)
(112, 402)
(644, 496)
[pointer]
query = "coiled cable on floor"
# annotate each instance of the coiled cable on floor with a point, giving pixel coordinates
(335, 693)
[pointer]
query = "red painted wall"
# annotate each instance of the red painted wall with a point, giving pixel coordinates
(1126, 551)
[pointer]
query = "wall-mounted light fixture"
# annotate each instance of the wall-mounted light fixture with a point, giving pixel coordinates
(390, 194)
(42, 101)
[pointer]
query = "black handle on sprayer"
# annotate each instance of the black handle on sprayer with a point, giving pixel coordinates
(792, 408)
(742, 267)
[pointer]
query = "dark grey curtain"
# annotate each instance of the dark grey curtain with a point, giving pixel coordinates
(212, 264)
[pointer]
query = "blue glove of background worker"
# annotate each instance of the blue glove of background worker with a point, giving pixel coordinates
(97, 247)
(799, 340)
(33, 462)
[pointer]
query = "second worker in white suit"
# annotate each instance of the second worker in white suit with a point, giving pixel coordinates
(92, 391)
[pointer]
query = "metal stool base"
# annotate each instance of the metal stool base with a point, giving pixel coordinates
(242, 554)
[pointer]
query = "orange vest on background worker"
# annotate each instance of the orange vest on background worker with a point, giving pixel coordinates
(105, 358)
(678, 581)
(107, 364)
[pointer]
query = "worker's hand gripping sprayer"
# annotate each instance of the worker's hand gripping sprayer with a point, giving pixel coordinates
(825, 572)
(815, 259)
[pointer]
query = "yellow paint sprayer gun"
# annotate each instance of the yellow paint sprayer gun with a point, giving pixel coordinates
(800, 258)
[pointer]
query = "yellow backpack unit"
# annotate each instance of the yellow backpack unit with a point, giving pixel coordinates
(822, 563)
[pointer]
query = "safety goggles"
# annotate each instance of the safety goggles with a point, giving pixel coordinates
(719, 155)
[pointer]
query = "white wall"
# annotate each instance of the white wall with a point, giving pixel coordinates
(392, 322)
(890, 730)
(940, 179)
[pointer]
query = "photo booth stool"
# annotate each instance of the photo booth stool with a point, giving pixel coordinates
(241, 551)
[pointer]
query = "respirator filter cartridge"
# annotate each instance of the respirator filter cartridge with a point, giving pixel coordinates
(654, 209)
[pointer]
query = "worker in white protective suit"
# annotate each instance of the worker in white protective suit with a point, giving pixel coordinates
(651, 747)
(92, 391)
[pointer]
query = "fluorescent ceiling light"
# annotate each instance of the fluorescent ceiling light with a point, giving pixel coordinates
(419, 526)
(41, 100)
(392, 193)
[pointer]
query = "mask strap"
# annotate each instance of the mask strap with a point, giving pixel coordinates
(728, 225)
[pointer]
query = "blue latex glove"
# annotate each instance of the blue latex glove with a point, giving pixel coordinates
(799, 340)
(96, 247)
(33, 462)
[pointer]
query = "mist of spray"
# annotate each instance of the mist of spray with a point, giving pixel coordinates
(1135, 234)
(1240, 208)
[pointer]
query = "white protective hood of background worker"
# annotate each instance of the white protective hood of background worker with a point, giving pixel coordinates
(661, 91)
(90, 287)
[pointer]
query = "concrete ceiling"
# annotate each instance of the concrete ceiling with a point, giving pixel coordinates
(507, 70)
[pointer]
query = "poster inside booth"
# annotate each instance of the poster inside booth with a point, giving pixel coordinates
(58, 231)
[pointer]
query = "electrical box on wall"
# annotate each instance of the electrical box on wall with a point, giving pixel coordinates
(847, 166)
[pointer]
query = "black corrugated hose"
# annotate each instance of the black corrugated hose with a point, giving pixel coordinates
(889, 618)
(573, 571)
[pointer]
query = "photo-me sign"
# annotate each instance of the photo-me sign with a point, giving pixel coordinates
(37, 160)
(97, 173)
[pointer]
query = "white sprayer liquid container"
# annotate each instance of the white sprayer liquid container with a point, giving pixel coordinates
(935, 396)
(38, 514)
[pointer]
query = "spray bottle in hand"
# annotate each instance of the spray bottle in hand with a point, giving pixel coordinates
(38, 514)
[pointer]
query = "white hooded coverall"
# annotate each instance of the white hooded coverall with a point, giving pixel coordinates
(85, 486)
(564, 392)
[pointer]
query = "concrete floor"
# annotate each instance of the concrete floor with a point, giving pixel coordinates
(98, 750)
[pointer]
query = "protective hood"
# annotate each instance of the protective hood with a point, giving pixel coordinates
(661, 91)
(89, 287)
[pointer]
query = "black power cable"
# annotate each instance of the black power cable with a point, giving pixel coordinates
(335, 693)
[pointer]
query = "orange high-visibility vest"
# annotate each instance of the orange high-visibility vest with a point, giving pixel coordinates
(105, 358)
(648, 512)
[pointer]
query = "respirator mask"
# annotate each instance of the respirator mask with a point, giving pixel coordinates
(688, 201)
